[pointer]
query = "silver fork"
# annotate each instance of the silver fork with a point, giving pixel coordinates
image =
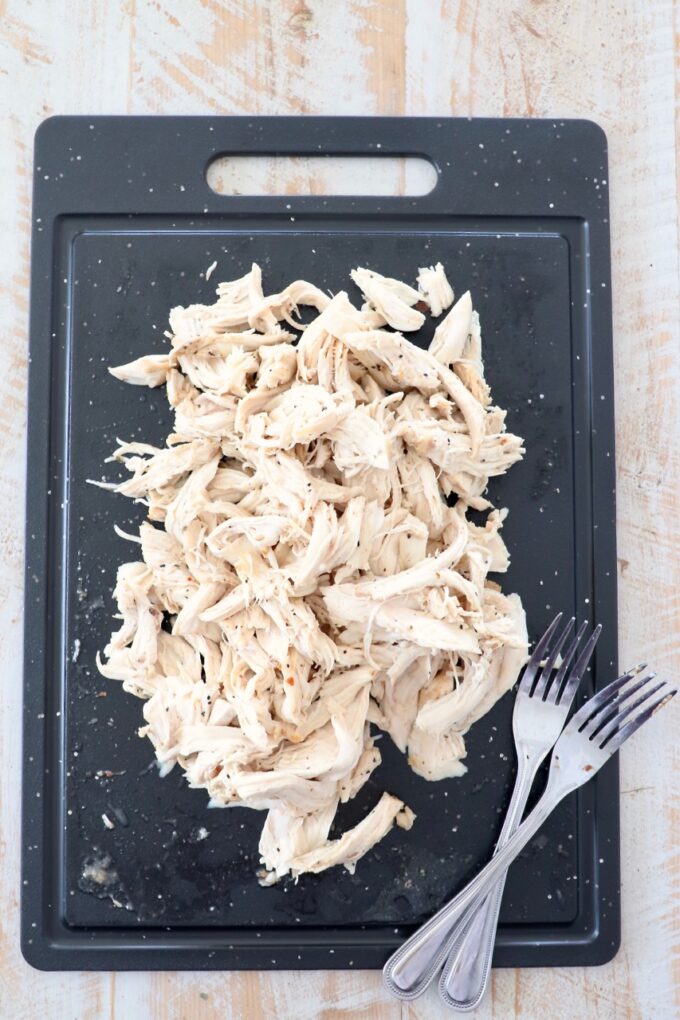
(541, 707)
(594, 733)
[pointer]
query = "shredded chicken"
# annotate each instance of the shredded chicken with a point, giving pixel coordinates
(436, 290)
(302, 573)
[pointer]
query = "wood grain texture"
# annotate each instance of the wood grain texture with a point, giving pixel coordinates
(618, 64)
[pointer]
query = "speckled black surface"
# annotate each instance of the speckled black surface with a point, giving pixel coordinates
(170, 863)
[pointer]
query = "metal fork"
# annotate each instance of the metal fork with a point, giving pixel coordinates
(592, 736)
(541, 709)
(594, 733)
(542, 704)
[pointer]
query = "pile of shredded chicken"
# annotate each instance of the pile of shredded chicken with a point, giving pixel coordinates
(307, 567)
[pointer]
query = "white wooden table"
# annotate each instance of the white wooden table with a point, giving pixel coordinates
(612, 62)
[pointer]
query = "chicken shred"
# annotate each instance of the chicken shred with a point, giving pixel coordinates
(436, 290)
(308, 567)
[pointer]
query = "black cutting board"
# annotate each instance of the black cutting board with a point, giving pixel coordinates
(125, 227)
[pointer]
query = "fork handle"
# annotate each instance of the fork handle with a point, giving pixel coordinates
(466, 972)
(432, 944)
(408, 971)
(468, 965)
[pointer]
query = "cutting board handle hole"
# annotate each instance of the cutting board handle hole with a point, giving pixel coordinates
(331, 175)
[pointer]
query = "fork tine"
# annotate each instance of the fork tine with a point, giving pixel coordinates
(536, 656)
(546, 675)
(594, 705)
(558, 693)
(571, 651)
(611, 711)
(583, 660)
(621, 736)
(585, 656)
(604, 733)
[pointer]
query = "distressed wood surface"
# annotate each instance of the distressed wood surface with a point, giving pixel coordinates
(618, 64)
